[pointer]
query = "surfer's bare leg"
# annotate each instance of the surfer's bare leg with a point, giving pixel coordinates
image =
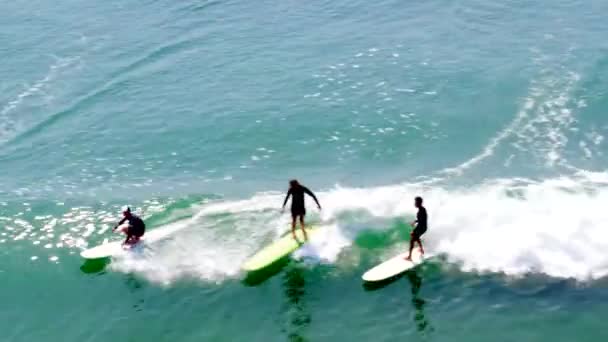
(131, 238)
(412, 241)
(124, 229)
(303, 227)
(293, 227)
(126, 242)
(421, 248)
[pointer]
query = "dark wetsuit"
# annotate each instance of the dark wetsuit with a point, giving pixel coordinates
(297, 201)
(421, 223)
(137, 227)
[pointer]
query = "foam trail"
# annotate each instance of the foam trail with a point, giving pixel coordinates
(212, 245)
(540, 123)
(149, 261)
(488, 150)
(8, 126)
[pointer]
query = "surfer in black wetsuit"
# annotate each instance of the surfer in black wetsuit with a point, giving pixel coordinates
(298, 209)
(134, 229)
(420, 226)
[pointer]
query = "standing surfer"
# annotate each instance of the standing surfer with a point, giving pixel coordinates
(298, 209)
(420, 226)
(134, 228)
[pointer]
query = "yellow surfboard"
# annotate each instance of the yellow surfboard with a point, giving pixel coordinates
(278, 250)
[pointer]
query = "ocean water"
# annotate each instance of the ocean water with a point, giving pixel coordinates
(197, 113)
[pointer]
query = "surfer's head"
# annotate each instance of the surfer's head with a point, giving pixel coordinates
(126, 211)
(418, 201)
(293, 183)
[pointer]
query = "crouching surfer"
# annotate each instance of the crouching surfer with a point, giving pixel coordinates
(132, 226)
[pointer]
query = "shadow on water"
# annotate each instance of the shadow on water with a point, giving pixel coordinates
(134, 286)
(298, 317)
(418, 303)
(422, 323)
(294, 283)
(95, 266)
(98, 266)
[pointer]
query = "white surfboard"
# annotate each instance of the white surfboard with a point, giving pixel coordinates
(115, 248)
(393, 266)
(110, 249)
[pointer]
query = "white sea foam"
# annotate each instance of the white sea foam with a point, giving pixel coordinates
(211, 246)
(517, 226)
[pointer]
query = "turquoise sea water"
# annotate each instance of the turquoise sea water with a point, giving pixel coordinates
(197, 113)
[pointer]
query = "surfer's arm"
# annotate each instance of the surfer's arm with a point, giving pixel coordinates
(414, 223)
(119, 223)
(286, 198)
(307, 191)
